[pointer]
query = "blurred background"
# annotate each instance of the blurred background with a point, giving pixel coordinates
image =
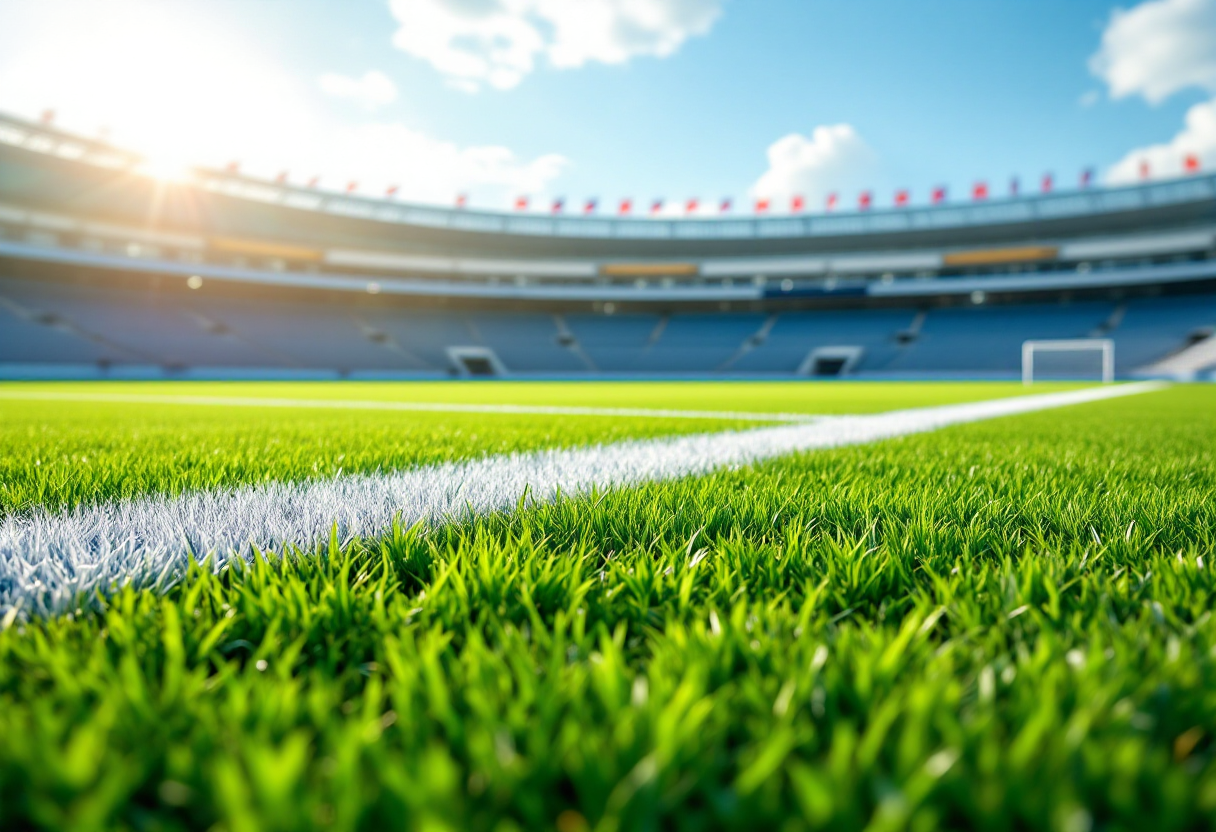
(652, 188)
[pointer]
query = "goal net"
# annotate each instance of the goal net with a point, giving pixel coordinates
(1072, 359)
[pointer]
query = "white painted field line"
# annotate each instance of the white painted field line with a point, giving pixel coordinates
(424, 407)
(47, 559)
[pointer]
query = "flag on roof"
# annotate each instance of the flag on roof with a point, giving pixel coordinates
(690, 207)
(391, 191)
(1144, 169)
(1048, 183)
(865, 200)
(590, 206)
(1191, 163)
(281, 179)
(656, 206)
(521, 203)
(48, 117)
(1014, 186)
(462, 200)
(979, 191)
(232, 167)
(939, 195)
(831, 202)
(626, 207)
(312, 183)
(350, 186)
(1087, 177)
(726, 205)
(797, 203)
(559, 205)
(901, 198)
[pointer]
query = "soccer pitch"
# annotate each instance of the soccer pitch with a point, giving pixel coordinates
(984, 620)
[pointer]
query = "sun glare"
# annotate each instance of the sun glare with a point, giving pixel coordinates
(176, 85)
(167, 169)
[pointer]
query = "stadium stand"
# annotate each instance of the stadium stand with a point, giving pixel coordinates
(1154, 328)
(795, 336)
(525, 343)
(987, 340)
(620, 343)
(106, 271)
(135, 327)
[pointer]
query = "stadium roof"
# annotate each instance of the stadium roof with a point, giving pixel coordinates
(1086, 210)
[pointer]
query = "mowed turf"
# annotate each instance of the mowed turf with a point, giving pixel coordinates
(1002, 625)
(761, 396)
(62, 453)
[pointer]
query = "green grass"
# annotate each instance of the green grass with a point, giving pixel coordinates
(1003, 625)
(760, 396)
(65, 453)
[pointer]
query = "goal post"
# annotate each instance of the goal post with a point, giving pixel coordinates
(1105, 346)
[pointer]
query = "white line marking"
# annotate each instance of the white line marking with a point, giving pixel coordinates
(47, 559)
(425, 407)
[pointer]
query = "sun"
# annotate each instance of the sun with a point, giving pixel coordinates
(178, 83)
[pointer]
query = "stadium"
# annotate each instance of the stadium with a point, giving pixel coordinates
(364, 508)
(111, 273)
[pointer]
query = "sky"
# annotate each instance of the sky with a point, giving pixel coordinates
(640, 99)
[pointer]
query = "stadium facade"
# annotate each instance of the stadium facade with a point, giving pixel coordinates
(108, 272)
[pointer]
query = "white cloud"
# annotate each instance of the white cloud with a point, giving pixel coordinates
(215, 96)
(1158, 48)
(497, 42)
(1155, 50)
(374, 89)
(834, 158)
(1197, 137)
(426, 168)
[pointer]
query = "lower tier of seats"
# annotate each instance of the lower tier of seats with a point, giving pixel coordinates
(53, 329)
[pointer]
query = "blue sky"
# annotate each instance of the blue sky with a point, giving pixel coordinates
(686, 104)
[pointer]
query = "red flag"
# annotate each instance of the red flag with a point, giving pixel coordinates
(1144, 170)
(591, 205)
(762, 206)
(312, 183)
(1087, 177)
(939, 195)
(690, 207)
(462, 200)
(656, 206)
(724, 208)
(232, 167)
(865, 200)
(281, 179)
(559, 205)
(48, 117)
(391, 192)
(797, 203)
(1191, 163)
(1048, 182)
(350, 186)
(521, 203)
(901, 199)
(1014, 186)
(626, 207)
(831, 204)
(979, 191)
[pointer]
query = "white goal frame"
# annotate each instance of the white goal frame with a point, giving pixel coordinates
(1105, 345)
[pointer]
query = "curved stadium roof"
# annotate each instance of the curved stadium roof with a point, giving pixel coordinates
(229, 203)
(104, 213)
